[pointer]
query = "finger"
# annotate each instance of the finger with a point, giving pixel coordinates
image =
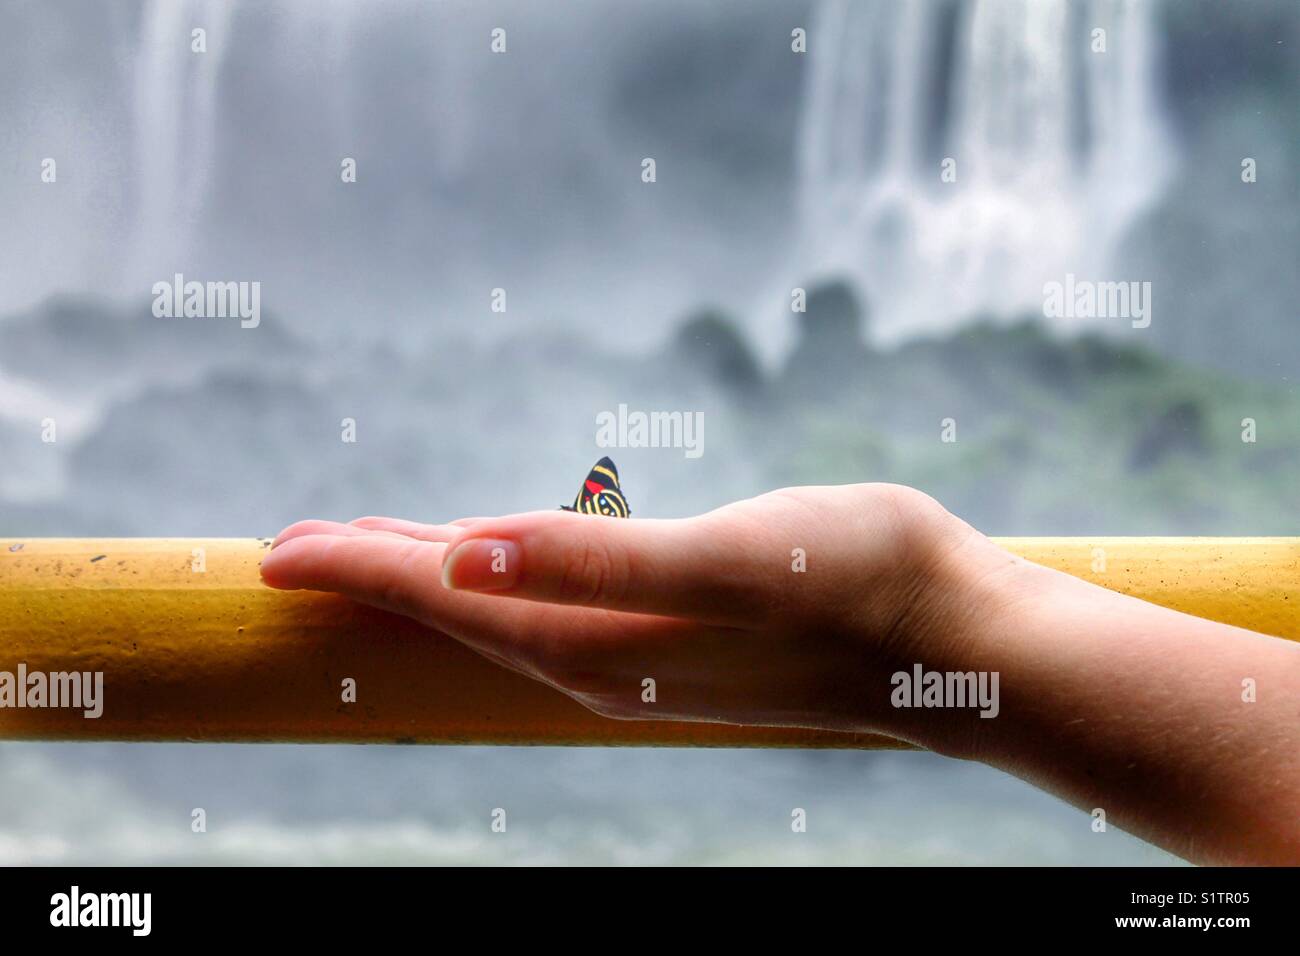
(402, 574)
(411, 529)
(698, 568)
(316, 526)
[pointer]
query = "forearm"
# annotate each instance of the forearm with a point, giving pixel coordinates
(1118, 704)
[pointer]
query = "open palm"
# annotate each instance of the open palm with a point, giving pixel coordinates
(790, 608)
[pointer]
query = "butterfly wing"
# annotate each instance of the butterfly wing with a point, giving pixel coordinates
(601, 493)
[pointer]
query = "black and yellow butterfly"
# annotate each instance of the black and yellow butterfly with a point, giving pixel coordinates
(600, 494)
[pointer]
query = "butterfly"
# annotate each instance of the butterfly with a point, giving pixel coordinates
(600, 494)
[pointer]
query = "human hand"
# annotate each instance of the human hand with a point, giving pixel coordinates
(792, 608)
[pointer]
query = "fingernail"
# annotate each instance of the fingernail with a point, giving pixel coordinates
(481, 564)
(266, 568)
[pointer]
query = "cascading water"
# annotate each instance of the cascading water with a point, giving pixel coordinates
(1056, 149)
(175, 117)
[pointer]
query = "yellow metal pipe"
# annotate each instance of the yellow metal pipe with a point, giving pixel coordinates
(192, 646)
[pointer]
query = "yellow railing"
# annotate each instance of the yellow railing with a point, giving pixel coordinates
(193, 647)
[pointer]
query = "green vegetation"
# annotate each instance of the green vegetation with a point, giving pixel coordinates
(1079, 435)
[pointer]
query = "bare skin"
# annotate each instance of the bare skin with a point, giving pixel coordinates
(1106, 700)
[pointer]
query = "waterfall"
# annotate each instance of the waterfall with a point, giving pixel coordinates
(1057, 150)
(176, 114)
(189, 156)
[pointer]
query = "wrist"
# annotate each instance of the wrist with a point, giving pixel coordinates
(968, 594)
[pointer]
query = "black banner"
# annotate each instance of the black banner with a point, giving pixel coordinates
(329, 906)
